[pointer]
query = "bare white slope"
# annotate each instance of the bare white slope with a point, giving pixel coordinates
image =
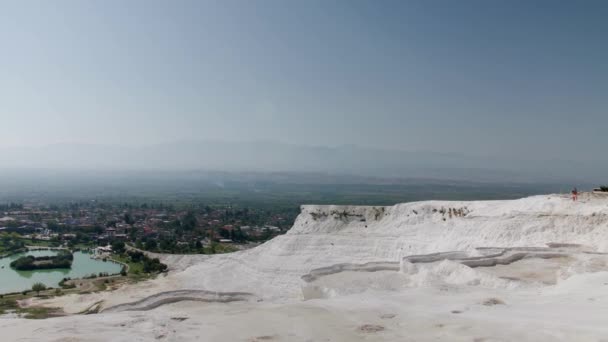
(328, 235)
(440, 302)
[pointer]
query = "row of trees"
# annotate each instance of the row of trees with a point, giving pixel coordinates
(150, 265)
(29, 262)
(170, 245)
(11, 243)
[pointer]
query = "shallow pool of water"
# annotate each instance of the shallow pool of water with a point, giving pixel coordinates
(83, 265)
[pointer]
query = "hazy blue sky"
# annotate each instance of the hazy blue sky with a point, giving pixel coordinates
(526, 78)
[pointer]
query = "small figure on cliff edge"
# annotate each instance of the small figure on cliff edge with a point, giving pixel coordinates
(574, 194)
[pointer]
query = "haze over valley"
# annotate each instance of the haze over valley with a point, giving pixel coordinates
(266, 156)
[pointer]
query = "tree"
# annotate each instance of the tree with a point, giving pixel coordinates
(38, 287)
(166, 245)
(153, 265)
(151, 244)
(52, 225)
(238, 235)
(266, 234)
(189, 221)
(118, 247)
(128, 219)
(225, 233)
(136, 256)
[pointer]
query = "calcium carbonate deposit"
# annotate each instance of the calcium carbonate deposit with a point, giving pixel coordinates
(532, 269)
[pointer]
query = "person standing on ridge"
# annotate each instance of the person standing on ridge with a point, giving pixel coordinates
(574, 194)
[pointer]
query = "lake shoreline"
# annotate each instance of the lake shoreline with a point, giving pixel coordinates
(83, 267)
(8, 255)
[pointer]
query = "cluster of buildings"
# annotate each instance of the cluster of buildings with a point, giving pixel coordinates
(103, 223)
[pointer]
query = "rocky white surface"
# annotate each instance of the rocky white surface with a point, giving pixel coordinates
(562, 298)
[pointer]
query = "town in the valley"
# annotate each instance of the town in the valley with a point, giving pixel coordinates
(161, 228)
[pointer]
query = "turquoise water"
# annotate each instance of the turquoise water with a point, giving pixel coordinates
(83, 265)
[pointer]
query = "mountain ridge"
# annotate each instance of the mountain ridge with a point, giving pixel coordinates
(269, 156)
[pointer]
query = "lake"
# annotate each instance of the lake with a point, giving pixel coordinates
(83, 265)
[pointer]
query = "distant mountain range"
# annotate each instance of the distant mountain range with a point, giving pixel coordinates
(276, 157)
